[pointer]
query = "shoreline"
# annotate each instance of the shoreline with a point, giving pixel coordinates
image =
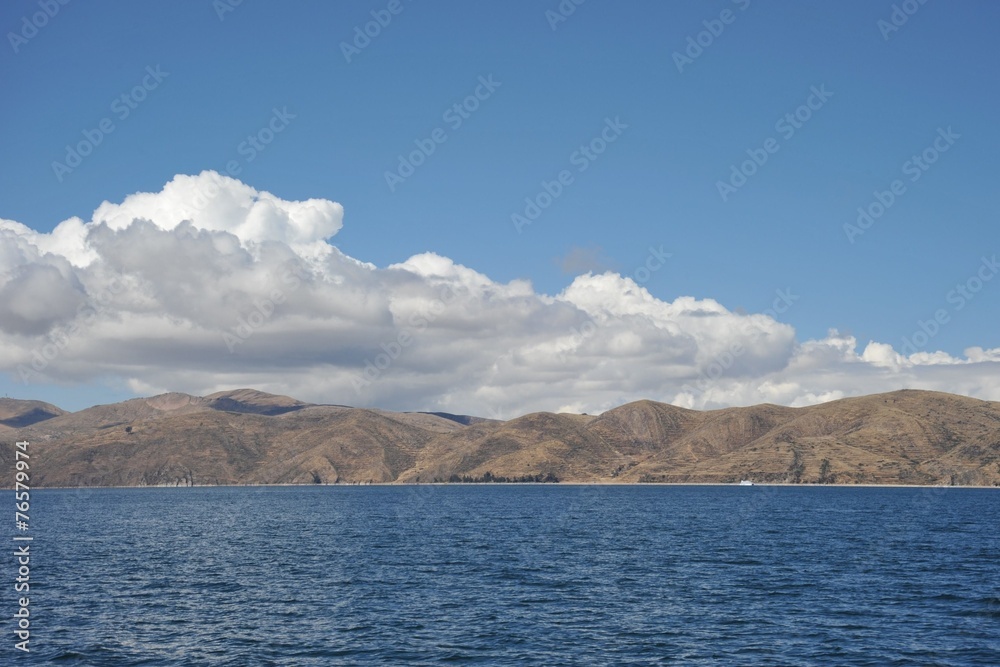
(492, 484)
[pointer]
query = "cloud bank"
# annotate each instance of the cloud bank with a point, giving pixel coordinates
(210, 284)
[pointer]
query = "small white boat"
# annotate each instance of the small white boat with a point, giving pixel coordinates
(746, 482)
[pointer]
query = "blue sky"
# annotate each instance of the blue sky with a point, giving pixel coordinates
(892, 94)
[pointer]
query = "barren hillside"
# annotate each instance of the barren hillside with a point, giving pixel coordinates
(249, 437)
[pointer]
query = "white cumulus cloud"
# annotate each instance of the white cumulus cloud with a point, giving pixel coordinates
(210, 284)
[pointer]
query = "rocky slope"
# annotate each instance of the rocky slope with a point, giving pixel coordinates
(249, 437)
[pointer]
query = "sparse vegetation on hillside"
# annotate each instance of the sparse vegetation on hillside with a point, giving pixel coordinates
(246, 437)
(490, 478)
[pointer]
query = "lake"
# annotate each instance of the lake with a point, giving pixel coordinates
(511, 575)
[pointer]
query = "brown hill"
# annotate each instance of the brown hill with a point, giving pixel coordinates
(252, 401)
(16, 413)
(904, 437)
(320, 445)
(535, 444)
(645, 426)
(249, 437)
(102, 417)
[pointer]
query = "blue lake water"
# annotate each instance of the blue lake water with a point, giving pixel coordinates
(510, 575)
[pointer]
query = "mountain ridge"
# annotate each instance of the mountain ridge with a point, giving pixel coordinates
(246, 436)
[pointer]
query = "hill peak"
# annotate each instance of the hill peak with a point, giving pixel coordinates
(253, 401)
(16, 413)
